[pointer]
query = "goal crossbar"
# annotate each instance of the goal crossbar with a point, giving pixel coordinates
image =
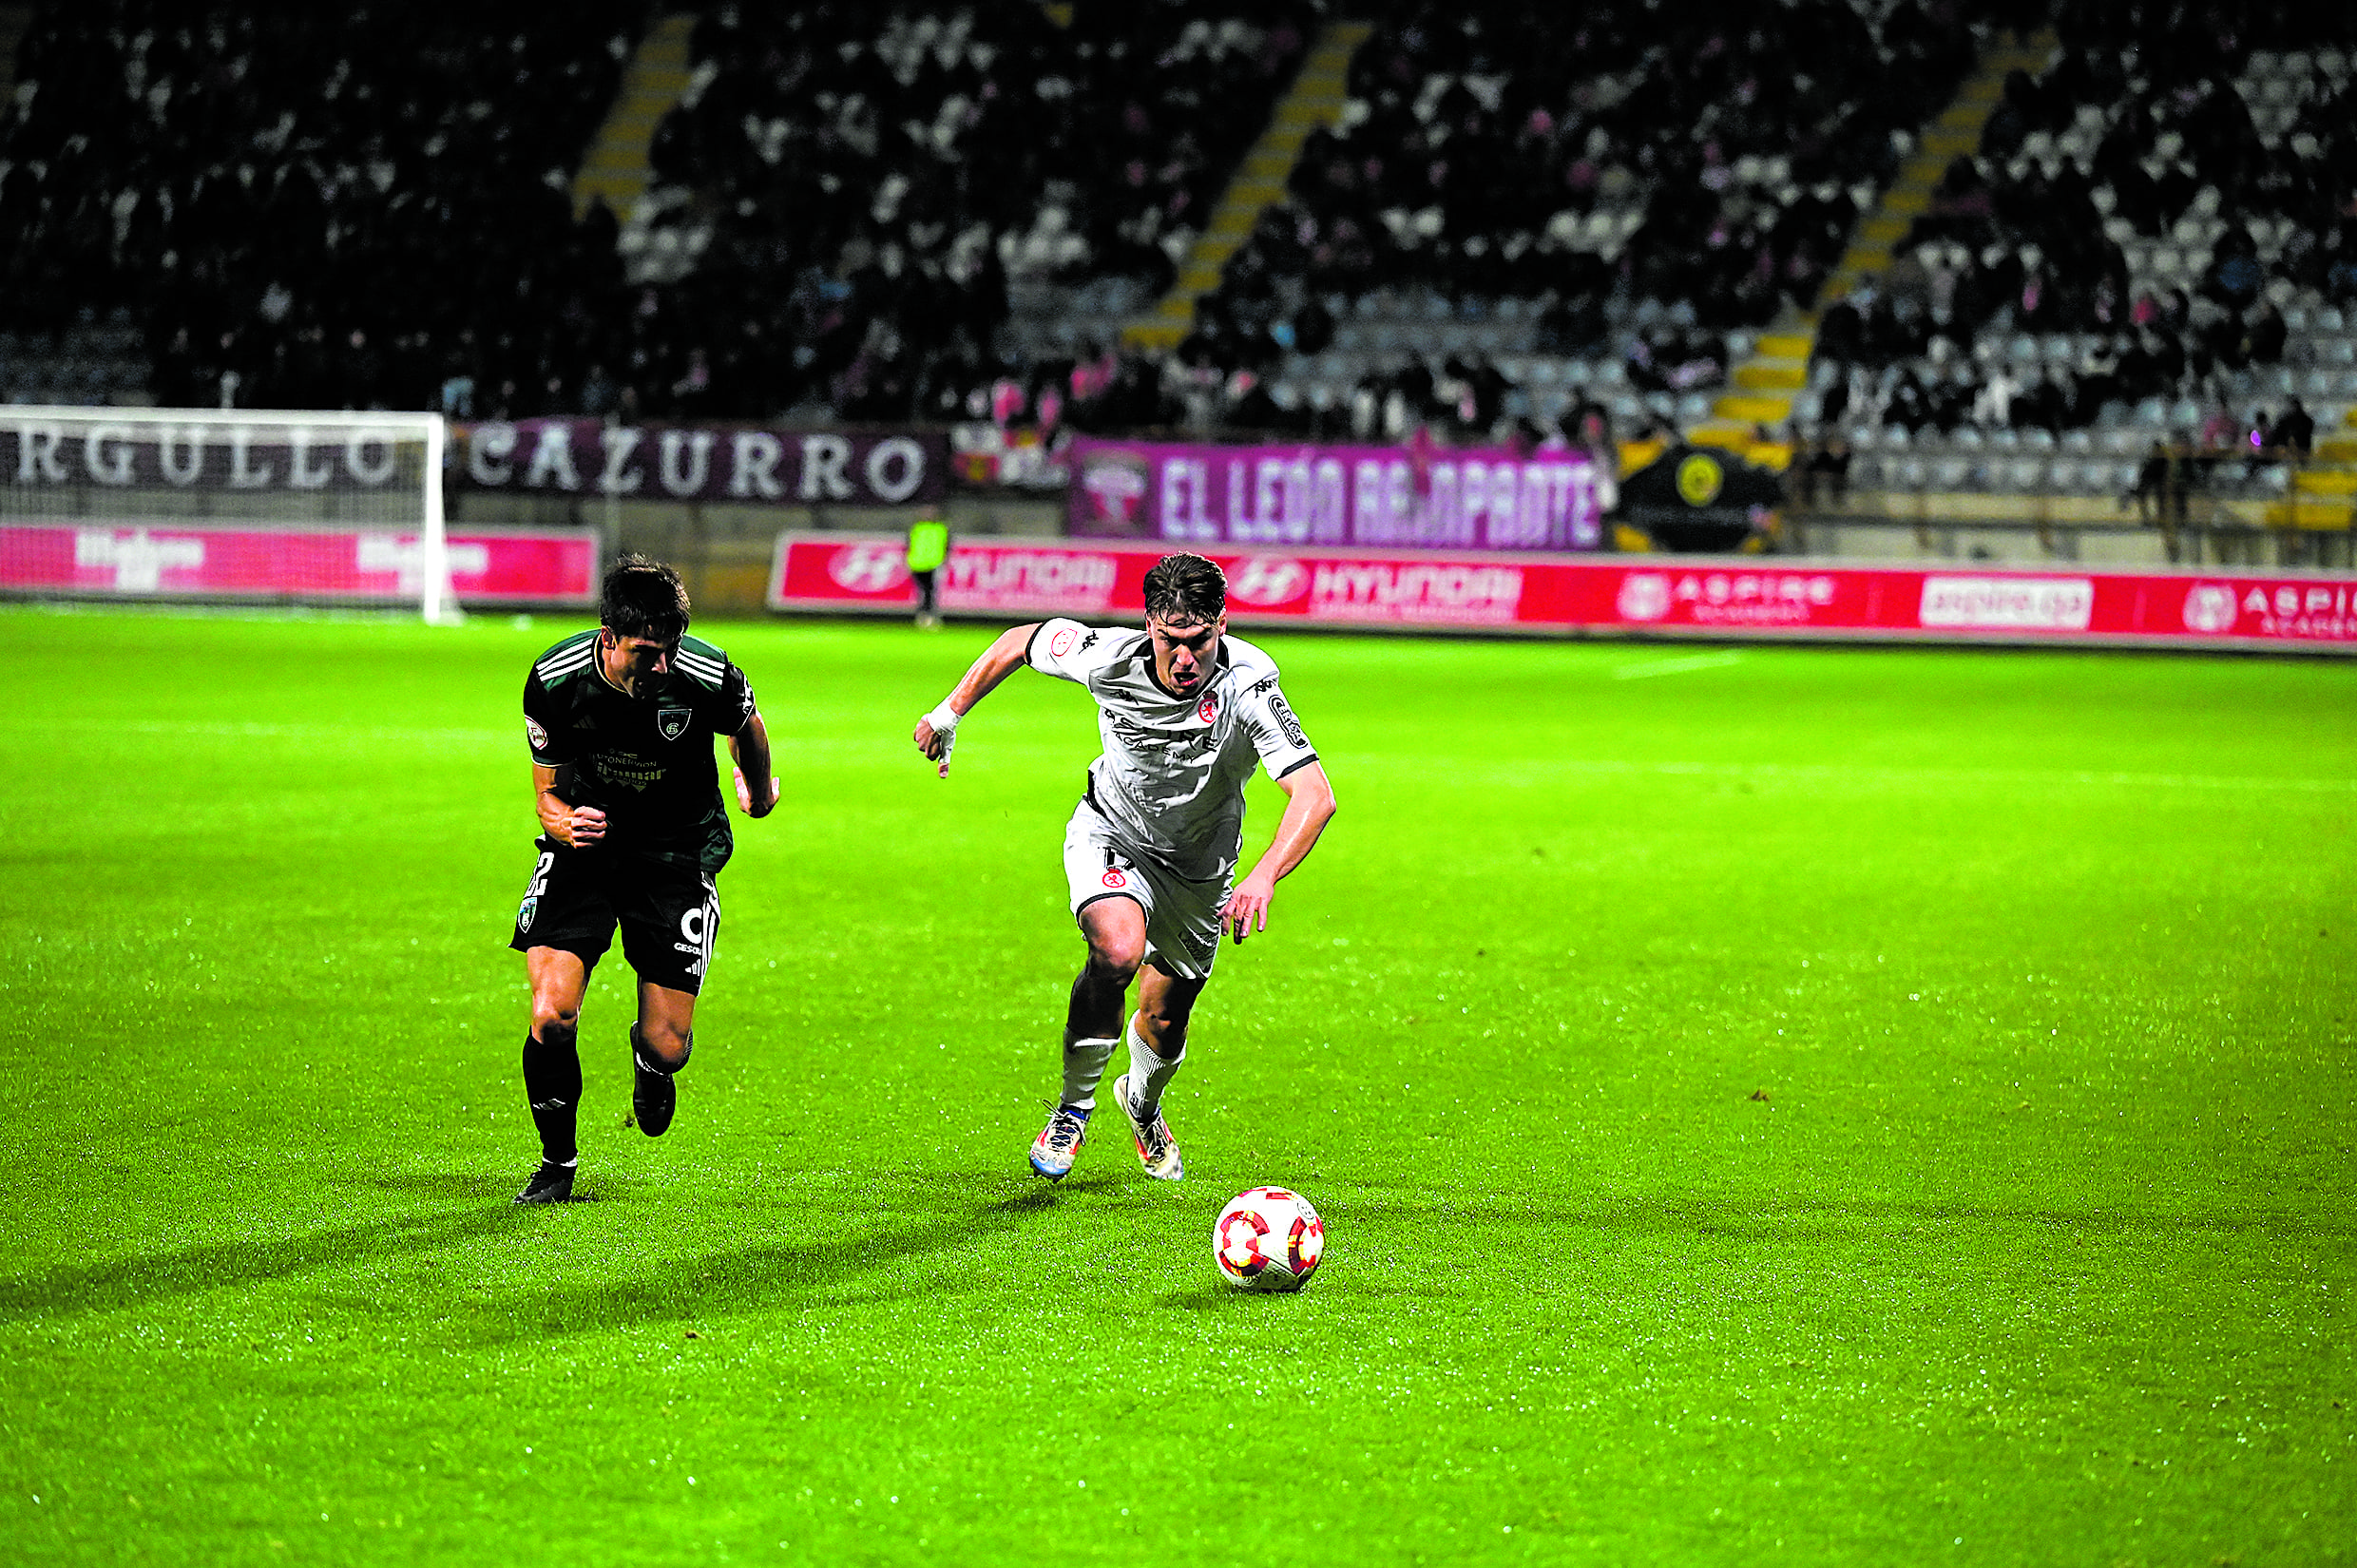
(372, 476)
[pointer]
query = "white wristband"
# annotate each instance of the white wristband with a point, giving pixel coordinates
(944, 720)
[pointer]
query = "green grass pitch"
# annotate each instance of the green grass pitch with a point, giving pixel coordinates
(1769, 1106)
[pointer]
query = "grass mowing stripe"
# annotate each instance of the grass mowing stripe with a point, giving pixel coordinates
(883, 743)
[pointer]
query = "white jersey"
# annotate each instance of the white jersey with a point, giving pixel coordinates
(1172, 778)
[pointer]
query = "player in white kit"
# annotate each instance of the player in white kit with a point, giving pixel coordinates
(1185, 711)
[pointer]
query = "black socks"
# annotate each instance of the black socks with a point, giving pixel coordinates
(552, 1083)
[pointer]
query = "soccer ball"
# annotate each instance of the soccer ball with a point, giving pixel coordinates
(1268, 1239)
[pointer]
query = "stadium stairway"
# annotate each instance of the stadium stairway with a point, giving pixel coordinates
(1766, 382)
(1314, 100)
(616, 167)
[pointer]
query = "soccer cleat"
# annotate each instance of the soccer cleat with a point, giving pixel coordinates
(653, 1098)
(1052, 1152)
(1156, 1150)
(551, 1183)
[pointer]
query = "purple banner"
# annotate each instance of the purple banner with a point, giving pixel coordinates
(726, 464)
(1478, 499)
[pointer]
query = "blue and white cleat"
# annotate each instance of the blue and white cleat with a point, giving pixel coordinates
(1053, 1151)
(1156, 1150)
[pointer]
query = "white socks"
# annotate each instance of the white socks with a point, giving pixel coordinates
(1149, 1074)
(1084, 1064)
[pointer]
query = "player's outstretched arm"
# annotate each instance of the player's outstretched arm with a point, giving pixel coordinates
(749, 746)
(560, 819)
(1308, 805)
(936, 732)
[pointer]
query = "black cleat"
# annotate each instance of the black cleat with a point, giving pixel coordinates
(653, 1098)
(551, 1183)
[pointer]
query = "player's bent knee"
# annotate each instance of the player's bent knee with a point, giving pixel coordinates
(666, 1049)
(555, 1026)
(1115, 958)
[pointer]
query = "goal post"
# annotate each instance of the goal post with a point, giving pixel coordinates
(232, 505)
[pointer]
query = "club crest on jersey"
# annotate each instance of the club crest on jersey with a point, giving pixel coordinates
(525, 914)
(1115, 877)
(1209, 711)
(671, 723)
(535, 733)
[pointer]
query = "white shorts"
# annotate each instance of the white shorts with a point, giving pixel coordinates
(1182, 917)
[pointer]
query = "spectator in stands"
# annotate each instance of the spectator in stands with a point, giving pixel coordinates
(2095, 384)
(2266, 336)
(2186, 473)
(2152, 483)
(2041, 406)
(2259, 444)
(2219, 430)
(2296, 432)
(1992, 408)
(1828, 466)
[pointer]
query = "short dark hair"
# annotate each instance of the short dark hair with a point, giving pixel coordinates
(1183, 588)
(643, 598)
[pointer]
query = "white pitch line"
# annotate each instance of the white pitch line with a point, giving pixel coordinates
(1677, 667)
(1535, 773)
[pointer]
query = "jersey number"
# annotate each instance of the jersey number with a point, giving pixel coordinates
(531, 894)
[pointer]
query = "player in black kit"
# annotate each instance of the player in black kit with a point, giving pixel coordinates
(632, 831)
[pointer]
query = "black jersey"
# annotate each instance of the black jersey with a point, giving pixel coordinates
(645, 761)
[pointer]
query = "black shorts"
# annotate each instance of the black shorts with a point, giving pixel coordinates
(669, 915)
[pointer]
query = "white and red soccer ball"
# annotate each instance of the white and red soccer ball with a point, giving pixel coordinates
(1268, 1239)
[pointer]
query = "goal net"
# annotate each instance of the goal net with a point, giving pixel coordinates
(225, 504)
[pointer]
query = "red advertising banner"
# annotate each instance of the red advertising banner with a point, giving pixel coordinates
(1745, 597)
(488, 566)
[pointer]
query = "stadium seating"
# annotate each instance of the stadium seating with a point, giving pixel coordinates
(2150, 246)
(308, 208)
(879, 185)
(1627, 187)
